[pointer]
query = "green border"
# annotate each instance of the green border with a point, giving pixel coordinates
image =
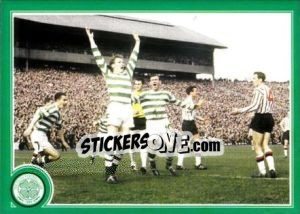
(6, 93)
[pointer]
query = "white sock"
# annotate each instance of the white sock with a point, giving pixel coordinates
(270, 160)
(197, 155)
(197, 159)
(144, 156)
(108, 160)
(285, 151)
(180, 158)
(131, 158)
(261, 164)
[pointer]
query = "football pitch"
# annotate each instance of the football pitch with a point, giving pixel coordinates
(227, 180)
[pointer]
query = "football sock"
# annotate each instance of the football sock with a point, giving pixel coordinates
(169, 161)
(261, 164)
(285, 151)
(114, 168)
(117, 159)
(132, 162)
(144, 156)
(197, 155)
(197, 159)
(180, 158)
(152, 160)
(34, 157)
(45, 159)
(108, 159)
(270, 159)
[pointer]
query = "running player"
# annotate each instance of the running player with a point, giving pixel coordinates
(118, 79)
(48, 117)
(28, 131)
(189, 124)
(285, 127)
(154, 104)
(262, 124)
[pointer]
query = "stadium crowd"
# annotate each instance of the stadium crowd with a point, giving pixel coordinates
(88, 100)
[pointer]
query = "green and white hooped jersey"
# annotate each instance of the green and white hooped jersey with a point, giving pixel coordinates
(154, 103)
(49, 117)
(119, 85)
(103, 125)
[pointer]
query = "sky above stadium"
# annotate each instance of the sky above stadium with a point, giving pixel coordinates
(255, 41)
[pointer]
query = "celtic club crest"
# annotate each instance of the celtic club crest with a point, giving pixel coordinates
(28, 189)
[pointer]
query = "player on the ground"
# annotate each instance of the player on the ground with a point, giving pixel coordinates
(285, 127)
(139, 123)
(48, 117)
(38, 113)
(154, 103)
(189, 124)
(118, 79)
(262, 124)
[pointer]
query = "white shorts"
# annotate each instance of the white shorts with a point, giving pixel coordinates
(120, 115)
(158, 128)
(40, 141)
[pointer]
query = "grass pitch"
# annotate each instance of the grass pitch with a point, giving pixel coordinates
(227, 181)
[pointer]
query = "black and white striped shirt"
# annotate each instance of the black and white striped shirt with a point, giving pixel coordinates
(188, 112)
(262, 101)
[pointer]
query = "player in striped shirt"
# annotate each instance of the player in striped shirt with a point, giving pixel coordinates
(262, 124)
(49, 117)
(189, 124)
(118, 79)
(154, 104)
(285, 127)
(39, 112)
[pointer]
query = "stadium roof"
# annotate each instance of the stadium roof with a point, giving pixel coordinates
(125, 25)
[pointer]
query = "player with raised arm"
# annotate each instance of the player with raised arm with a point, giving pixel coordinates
(262, 124)
(154, 103)
(118, 79)
(48, 117)
(189, 124)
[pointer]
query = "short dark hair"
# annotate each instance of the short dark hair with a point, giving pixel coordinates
(47, 99)
(114, 57)
(154, 75)
(58, 95)
(260, 75)
(139, 79)
(190, 89)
